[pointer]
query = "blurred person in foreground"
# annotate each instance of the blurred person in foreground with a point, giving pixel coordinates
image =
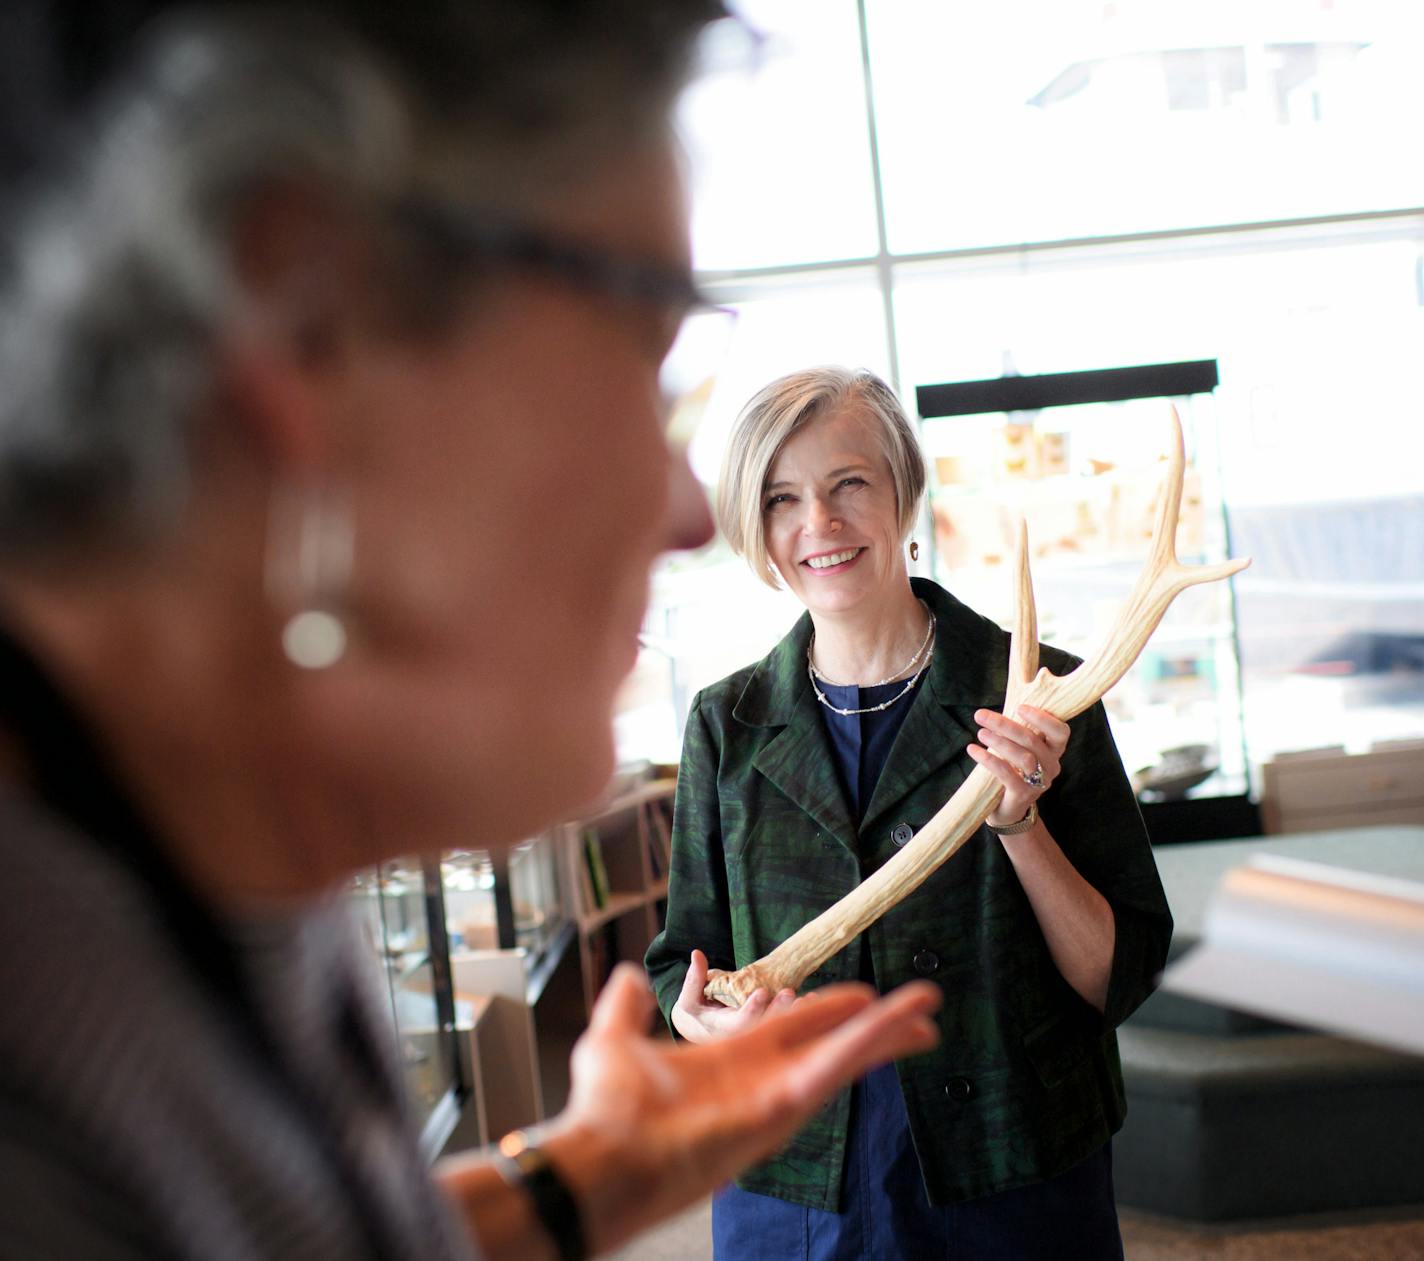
(804, 773)
(331, 472)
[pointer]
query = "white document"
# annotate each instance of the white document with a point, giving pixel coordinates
(1314, 945)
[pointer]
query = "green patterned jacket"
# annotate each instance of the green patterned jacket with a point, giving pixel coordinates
(1026, 1081)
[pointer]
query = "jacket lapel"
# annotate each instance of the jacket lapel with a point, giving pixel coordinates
(798, 760)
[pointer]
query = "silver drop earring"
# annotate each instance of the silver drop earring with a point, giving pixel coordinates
(310, 552)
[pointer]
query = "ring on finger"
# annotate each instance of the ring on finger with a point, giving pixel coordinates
(1034, 779)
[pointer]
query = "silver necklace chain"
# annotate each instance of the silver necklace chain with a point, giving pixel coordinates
(813, 674)
(929, 630)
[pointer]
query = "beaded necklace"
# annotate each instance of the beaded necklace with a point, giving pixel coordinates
(813, 674)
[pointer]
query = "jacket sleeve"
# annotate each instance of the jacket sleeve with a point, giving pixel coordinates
(697, 909)
(1093, 815)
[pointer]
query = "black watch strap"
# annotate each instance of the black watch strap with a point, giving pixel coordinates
(524, 1165)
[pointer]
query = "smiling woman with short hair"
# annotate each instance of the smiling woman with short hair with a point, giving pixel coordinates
(805, 772)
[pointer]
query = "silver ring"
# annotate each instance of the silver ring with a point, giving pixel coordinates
(1035, 780)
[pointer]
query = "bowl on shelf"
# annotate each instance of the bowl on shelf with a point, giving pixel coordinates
(1178, 771)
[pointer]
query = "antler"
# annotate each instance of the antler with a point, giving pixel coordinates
(1162, 579)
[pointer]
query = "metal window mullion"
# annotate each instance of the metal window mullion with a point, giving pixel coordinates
(1269, 232)
(884, 263)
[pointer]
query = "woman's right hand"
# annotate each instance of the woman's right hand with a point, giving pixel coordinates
(700, 1019)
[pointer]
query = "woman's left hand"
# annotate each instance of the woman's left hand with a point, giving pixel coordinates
(1025, 752)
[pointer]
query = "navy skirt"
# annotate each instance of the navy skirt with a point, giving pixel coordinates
(887, 1216)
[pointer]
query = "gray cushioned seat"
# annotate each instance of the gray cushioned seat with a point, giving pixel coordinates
(1266, 1124)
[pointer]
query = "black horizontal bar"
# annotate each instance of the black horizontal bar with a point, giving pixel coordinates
(1063, 389)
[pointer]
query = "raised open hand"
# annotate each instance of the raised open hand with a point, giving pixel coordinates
(652, 1126)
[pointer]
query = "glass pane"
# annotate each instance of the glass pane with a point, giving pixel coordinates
(1317, 343)
(534, 891)
(833, 317)
(424, 1057)
(407, 927)
(1332, 621)
(703, 623)
(1087, 480)
(391, 906)
(781, 150)
(1320, 428)
(468, 879)
(708, 616)
(1034, 120)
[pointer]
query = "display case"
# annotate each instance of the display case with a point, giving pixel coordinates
(1081, 457)
(515, 978)
(504, 901)
(402, 910)
(533, 938)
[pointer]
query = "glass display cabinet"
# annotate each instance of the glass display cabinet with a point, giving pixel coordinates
(503, 901)
(1081, 456)
(402, 911)
(515, 979)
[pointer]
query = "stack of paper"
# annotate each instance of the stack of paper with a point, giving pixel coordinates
(1314, 945)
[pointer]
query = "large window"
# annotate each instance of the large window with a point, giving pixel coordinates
(945, 191)
(1061, 119)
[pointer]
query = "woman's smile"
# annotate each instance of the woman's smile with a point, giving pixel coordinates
(838, 562)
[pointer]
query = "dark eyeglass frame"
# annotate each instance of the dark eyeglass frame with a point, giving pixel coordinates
(483, 237)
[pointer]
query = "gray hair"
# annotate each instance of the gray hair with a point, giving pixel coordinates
(117, 280)
(783, 408)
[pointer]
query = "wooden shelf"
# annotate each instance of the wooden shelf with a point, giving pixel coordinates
(618, 854)
(618, 904)
(640, 795)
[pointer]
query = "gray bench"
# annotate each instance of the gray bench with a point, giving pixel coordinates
(1231, 1116)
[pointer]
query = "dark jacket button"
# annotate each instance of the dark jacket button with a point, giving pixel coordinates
(902, 833)
(958, 1089)
(926, 962)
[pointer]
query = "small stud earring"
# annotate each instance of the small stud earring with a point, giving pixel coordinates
(914, 549)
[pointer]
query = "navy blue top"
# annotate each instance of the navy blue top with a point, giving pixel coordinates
(862, 741)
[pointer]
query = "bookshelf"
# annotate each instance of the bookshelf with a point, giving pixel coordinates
(615, 863)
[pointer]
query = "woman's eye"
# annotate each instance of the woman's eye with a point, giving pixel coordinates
(850, 481)
(776, 501)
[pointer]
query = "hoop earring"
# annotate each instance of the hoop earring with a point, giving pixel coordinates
(310, 553)
(914, 549)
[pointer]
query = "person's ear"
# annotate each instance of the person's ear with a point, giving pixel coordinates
(300, 265)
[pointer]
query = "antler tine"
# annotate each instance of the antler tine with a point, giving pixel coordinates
(1164, 529)
(1023, 640)
(1161, 580)
(1163, 554)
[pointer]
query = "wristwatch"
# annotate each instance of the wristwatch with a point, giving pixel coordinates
(522, 1164)
(1023, 825)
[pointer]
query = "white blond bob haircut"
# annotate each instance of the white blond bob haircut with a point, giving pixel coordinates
(783, 408)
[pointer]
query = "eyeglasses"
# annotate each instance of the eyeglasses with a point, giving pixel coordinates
(703, 329)
(492, 239)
